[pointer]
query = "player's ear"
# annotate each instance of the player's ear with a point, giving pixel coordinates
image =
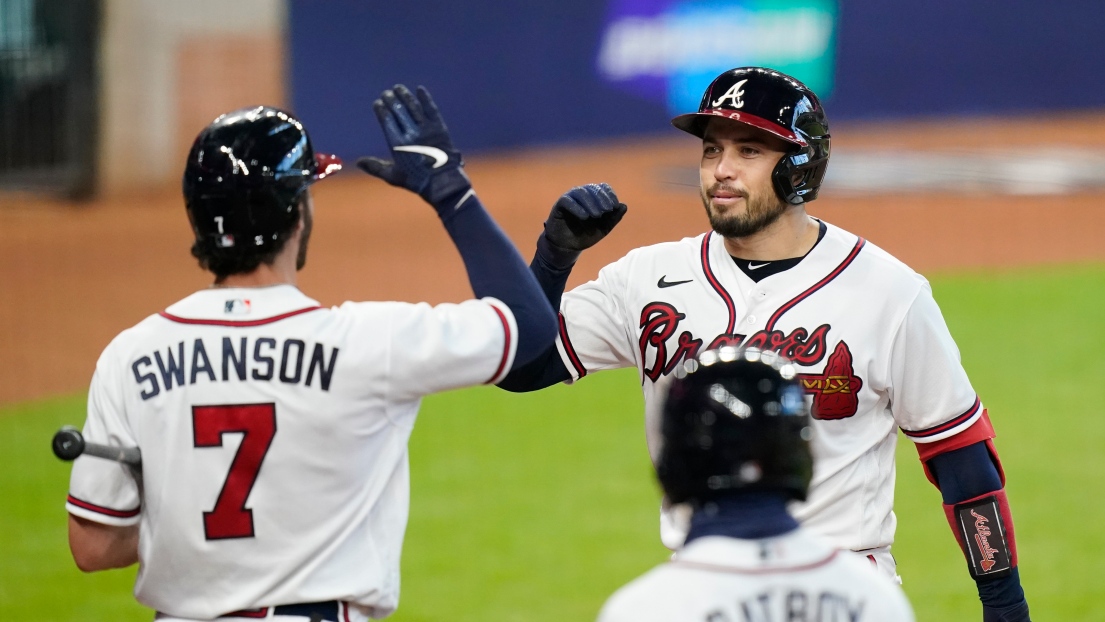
(306, 211)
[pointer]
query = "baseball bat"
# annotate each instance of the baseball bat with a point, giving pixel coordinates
(69, 443)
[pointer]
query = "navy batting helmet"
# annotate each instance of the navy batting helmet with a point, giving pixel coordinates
(779, 104)
(244, 177)
(734, 419)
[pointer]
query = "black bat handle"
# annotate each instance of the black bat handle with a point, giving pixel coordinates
(69, 443)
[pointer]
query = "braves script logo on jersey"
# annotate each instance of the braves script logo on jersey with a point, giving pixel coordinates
(835, 390)
(659, 321)
(982, 538)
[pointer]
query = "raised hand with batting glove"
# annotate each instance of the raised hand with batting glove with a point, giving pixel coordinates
(579, 219)
(425, 162)
(424, 158)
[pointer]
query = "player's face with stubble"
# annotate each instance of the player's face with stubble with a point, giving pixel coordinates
(735, 177)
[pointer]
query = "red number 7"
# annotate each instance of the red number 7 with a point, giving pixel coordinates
(257, 423)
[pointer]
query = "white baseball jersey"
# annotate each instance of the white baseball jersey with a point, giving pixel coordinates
(874, 352)
(274, 438)
(796, 576)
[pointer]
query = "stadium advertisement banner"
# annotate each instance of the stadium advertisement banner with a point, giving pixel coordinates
(536, 73)
(670, 51)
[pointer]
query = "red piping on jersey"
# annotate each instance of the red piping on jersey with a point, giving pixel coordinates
(258, 614)
(733, 570)
(506, 344)
(716, 284)
(979, 431)
(99, 509)
(947, 425)
(822, 283)
(238, 323)
(572, 356)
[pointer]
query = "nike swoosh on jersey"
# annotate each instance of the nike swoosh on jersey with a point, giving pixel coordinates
(662, 283)
(751, 267)
(439, 156)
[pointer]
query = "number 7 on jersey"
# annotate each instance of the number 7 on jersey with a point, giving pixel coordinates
(257, 422)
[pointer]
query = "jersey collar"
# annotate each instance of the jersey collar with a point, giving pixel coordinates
(240, 306)
(792, 551)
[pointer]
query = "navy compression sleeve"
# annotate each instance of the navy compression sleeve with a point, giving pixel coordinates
(496, 269)
(551, 267)
(967, 473)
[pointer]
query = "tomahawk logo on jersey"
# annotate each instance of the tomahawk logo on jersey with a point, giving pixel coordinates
(874, 352)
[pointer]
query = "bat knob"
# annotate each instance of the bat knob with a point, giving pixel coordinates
(68, 443)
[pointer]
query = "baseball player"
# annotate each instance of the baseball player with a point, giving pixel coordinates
(873, 351)
(735, 432)
(273, 431)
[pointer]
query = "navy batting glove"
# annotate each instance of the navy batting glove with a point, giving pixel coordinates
(424, 159)
(582, 217)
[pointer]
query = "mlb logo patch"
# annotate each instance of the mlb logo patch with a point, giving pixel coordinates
(237, 306)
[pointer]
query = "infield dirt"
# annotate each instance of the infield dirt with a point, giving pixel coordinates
(73, 276)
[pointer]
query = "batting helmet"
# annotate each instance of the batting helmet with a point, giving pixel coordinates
(779, 104)
(734, 419)
(244, 177)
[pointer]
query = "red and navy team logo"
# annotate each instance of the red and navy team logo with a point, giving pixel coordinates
(835, 390)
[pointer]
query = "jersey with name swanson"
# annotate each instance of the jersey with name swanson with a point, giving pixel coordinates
(796, 577)
(274, 440)
(871, 345)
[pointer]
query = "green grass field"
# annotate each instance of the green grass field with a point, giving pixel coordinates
(535, 507)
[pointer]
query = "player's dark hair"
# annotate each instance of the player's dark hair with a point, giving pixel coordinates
(243, 259)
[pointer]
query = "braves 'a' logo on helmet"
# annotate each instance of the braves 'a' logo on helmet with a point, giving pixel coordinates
(734, 95)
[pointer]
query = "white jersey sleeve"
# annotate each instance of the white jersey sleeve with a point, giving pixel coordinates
(448, 346)
(930, 395)
(596, 331)
(102, 490)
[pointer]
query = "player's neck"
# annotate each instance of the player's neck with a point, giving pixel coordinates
(748, 515)
(792, 235)
(281, 271)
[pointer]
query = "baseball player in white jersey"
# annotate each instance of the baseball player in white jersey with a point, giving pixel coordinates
(735, 447)
(273, 431)
(872, 348)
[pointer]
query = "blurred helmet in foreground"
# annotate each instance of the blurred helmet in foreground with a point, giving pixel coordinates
(735, 419)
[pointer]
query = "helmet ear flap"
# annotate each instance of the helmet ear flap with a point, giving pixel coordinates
(787, 179)
(797, 177)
